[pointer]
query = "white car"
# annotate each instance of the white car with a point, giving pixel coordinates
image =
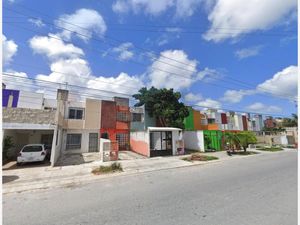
(33, 153)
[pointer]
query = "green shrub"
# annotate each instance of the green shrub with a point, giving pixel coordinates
(7, 144)
(270, 149)
(114, 167)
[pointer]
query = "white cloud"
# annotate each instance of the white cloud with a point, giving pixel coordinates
(72, 71)
(77, 72)
(190, 97)
(210, 103)
(235, 96)
(122, 83)
(9, 49)
(14, 79)
(16, 73)
(173, 69)
(148, 7)
(120, 7)
(182, 8)
(68, 68)
(124, 51)
(248, 52)
(209, 74)
(54, 48)
(283, 83)
(186, 8)
(37, 22)
(260, 107)
(230, 19)
(83, 23)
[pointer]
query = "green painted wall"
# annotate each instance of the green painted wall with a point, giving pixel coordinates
(189, 121)
(213, 140)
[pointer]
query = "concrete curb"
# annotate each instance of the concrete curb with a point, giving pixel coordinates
(88, 178)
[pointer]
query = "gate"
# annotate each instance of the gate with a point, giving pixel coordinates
(213, 140)
(93, 142)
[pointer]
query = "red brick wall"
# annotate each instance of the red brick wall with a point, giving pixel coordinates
(108, 115)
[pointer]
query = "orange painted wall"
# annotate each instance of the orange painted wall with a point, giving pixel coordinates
(122, 125)
(212, 126)
(197, 120)
(140, 147)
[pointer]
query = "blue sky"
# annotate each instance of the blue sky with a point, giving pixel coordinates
(224, 54)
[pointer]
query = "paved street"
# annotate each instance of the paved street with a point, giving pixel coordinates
(253, 190)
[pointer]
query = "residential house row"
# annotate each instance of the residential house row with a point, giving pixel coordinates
(71, 126)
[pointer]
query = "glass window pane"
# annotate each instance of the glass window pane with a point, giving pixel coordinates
(71, 113)
(79, 114)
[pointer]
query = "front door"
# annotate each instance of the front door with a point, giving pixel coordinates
(93, 142)
(123, 141)
(160, 143)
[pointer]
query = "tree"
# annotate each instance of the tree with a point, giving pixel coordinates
(7, 144)
(274, 130)
(245, 138)
(231, 140)
(290, 122)
(164, 105)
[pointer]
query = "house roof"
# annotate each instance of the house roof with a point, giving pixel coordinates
(163, 129)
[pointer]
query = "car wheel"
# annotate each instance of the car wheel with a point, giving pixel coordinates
(19, 164)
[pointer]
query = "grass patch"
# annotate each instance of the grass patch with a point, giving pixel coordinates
(271, 149)
(199, 157)
(114, 167)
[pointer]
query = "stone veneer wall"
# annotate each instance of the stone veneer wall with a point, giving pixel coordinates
(22, 115)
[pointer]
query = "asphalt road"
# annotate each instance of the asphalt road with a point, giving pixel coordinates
(258, 190)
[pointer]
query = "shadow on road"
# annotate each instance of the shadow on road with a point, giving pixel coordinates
(7, 179)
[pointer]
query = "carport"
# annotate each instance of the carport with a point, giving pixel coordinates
(23, 134)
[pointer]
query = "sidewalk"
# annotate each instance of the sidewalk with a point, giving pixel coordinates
(29, 179)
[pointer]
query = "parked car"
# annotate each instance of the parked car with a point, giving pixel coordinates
(33, 153)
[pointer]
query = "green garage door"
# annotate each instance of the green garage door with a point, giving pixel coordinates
(213, 140)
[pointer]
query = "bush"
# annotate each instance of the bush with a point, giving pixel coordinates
(114, 167)
(7, 144)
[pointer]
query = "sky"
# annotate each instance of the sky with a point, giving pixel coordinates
(239, 55)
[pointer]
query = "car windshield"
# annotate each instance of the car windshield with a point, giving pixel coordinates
(32, 148)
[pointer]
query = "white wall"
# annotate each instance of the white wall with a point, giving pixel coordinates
(140, 136)
(30, 100)
(84, 140)
(194, 140)
(56, 145)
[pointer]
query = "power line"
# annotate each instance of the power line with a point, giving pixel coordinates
(165, 62)
(70, 85)
(130, 98)
(179, 31)
(172, 73)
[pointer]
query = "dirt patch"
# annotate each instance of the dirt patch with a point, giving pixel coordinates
(199, 157)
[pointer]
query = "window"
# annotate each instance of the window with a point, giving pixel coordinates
(32, 148)
(210, 121)
(75, 113)
(123, 116)
(136, 117)
(73, 141)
